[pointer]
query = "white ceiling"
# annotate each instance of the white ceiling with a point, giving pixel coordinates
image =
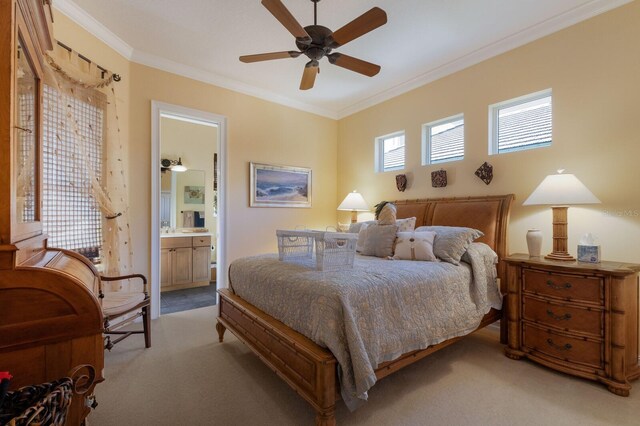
(423, 40)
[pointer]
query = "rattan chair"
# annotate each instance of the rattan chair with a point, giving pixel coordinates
(122, 308)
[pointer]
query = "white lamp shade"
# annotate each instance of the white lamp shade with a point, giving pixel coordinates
(178, 167)
(354, 202)
(561, 189)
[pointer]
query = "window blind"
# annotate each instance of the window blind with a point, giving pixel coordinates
(447, 142)
(393, 153)
(25, 152)
(526, 125)
(71, 215)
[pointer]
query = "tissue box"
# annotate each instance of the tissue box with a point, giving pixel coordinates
(589, 254)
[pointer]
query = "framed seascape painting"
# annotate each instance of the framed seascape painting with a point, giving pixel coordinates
(279, 186)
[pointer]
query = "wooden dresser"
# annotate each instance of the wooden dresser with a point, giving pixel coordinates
(578, 318)
(50, 317)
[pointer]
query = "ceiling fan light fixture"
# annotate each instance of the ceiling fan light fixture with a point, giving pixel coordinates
(316, 41)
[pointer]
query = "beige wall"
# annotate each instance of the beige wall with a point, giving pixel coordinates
(258, 131)
(594, 71)
(592, 67)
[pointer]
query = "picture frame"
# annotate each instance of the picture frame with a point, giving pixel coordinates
(279, 186)
(193, 194)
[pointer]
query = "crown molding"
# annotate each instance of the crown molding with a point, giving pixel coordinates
(542, 29)
(93, 26)
(193, 73)
(551, 25)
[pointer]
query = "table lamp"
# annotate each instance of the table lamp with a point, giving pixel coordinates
(559, 191)
(355, 203)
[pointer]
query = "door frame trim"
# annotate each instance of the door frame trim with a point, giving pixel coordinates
(159, 109)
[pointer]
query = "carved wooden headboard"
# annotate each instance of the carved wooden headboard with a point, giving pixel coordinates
(489, 214)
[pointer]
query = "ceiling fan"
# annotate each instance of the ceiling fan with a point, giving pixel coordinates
(316, 41)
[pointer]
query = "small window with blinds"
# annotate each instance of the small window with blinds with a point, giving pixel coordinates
(71, 215)
(390, 152)
(522, 123)
(443, 140)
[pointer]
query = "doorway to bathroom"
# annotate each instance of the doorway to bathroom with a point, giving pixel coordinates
(188, 242)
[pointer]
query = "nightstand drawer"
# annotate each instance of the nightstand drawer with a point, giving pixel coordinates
(571, 349)
(568, 287)
(562, 316)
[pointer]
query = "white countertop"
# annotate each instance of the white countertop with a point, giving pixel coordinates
(185, 234)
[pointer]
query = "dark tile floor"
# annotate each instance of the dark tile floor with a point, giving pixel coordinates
(187, 299)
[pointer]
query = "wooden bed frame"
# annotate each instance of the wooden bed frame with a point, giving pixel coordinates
(312, 370)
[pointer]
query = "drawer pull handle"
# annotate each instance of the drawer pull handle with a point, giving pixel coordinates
(553, 285)
(558, 317)
(566, 346)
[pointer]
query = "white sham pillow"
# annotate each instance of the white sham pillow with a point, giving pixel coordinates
(406, 225)
(415, 246)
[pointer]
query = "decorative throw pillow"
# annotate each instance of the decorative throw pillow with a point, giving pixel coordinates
(451, 241)
(355, 227)
(387, 215)
(379, 240)
(415, 246)
(406, 225)
(361, 237)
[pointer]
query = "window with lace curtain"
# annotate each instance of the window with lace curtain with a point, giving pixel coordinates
(71, 215)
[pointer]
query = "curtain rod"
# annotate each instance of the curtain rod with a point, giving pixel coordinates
(116, 77)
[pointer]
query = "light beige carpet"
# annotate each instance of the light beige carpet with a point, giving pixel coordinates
(188, 378)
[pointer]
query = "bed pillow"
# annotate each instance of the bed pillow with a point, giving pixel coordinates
(361, 237)
(451, 241)
(415, 246)
(387, 215)
(379, 240)
(406, 225)
(354, 228)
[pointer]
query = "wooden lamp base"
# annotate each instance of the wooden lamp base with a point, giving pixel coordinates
(354, 216)
(560, 235)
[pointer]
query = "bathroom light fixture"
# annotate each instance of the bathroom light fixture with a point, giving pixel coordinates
(173, 165)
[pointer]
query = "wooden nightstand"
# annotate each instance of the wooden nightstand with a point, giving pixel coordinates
(578, 318)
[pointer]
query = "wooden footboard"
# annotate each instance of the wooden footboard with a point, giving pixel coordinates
(308, 368)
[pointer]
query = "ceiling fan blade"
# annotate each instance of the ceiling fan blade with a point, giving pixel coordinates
(282, 14)
(269, 56)
(309, 77)
(366, 22)
(354, 64)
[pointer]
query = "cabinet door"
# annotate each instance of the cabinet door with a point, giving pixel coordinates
(201, 263)
(165, 268)
(181, 265)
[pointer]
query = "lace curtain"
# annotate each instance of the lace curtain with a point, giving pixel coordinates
(75, 78)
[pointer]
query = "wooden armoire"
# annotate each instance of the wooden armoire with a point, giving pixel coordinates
(50, 317)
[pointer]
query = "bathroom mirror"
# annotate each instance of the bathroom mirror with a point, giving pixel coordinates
(183, 199)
